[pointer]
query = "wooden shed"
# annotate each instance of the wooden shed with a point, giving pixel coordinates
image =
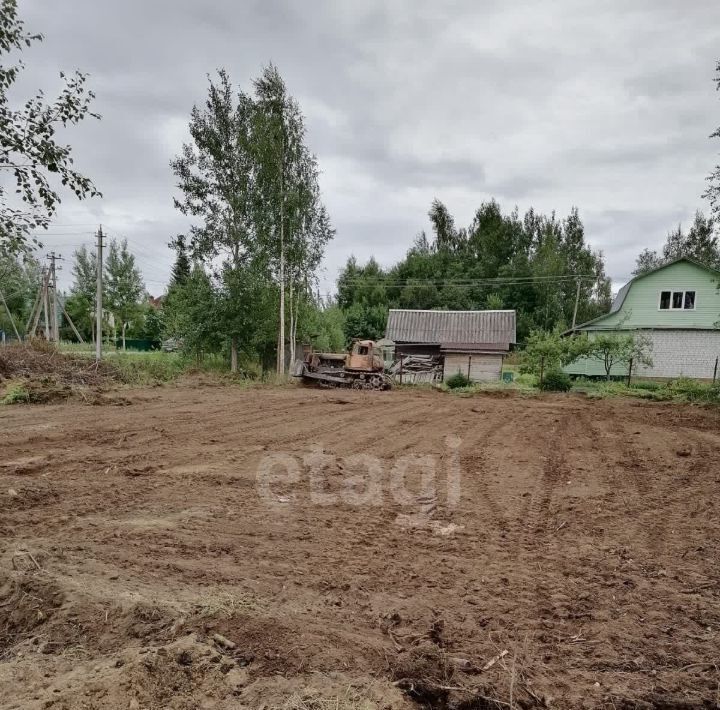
(471, 342)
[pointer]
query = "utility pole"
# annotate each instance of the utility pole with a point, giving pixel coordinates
(46, 302)
(99, 297)
(54, 329)
(577, 303)
(12, 320)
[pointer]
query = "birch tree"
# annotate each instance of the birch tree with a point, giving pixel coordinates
(713, 191)
(30, 151)
(216, 174)
(124, 284)
(292, 224)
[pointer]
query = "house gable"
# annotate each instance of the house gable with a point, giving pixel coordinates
(638, 305)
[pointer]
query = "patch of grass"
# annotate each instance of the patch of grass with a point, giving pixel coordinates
(150, 368)
(146, 368)
(682, 389)
(527, 380)
(16, 394)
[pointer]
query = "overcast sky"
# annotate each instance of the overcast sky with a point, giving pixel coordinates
(607, 106)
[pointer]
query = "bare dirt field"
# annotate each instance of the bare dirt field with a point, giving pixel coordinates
(215, 547)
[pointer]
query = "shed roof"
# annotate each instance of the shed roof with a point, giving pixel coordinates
(470, 328)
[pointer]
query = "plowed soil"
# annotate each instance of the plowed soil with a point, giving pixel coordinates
(182, 547)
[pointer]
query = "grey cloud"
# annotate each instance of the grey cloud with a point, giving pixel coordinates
(607, 107)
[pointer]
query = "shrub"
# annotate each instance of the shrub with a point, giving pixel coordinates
(526, 380)
(556, 381)
(647, 385)
(693, 391)
(457, 380)
(15, 395)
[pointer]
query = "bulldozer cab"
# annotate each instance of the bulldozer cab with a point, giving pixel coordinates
(365, 356)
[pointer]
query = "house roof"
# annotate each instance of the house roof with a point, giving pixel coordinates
(469, 328)
(619, 299)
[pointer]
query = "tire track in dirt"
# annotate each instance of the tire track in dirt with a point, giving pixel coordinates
(474, 464)
(534, 517)
(647, 519)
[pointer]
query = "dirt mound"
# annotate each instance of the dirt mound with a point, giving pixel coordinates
(37, 372)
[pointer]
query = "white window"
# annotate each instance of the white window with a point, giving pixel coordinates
(677, 300)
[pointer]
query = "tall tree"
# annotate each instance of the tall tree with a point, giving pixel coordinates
(291, 222)
(702, 243)
(193, 312)
(30, 150)
(19, 284)
(80, 303)
(443, 224)
(216, 174)
(647, 260)
(699, 244)
(124, 284)
(181, 267)
(713, 191)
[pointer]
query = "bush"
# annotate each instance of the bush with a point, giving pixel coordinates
(556, 381)
(457, 380)
(647, 385)
(693, 391)
(16, 394)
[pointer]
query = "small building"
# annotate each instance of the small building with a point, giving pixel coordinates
(471, 342)
(677, 306)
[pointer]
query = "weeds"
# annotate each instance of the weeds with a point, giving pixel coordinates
(16, 394)
(682, 389)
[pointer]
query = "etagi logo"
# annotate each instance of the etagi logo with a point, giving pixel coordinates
(413, 481)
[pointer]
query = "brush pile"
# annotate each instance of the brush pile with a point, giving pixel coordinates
(37, 372)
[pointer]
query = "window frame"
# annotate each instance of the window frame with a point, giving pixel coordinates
(672, 293)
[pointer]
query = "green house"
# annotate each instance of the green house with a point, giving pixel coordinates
(678, 307)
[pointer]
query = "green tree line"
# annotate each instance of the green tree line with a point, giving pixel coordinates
(539, 265)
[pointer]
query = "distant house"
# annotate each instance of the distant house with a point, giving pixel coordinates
(678, 307)
(471, 342)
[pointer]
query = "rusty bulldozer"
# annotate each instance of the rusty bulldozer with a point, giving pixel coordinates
(362, 368)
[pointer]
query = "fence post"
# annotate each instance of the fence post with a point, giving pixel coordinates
(469, 363)
(715, 370)
(401, 363)
(630, 364)
(542, 369)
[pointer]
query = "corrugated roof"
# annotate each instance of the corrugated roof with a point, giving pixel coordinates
(447, 327)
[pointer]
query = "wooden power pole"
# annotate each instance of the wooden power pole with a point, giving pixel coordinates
(54, 334)
(577, 303)
(99, 297)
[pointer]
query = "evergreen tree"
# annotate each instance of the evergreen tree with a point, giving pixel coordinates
(181, 267)
(193, 313)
